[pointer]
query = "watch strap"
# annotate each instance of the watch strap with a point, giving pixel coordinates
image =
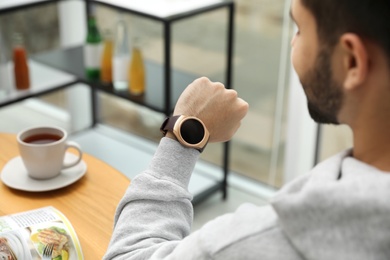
(168, 124)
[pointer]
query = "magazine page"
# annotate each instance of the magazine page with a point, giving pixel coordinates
(24, 235)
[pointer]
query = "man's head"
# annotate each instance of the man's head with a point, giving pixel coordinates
(331, 53)
(366, 18)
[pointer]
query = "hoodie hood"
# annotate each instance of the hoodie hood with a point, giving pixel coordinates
(327, 217)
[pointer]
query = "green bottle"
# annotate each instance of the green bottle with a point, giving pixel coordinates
(92, 50)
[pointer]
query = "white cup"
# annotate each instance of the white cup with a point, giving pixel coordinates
(43, 151)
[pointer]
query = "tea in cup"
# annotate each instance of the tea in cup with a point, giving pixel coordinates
(43, 150)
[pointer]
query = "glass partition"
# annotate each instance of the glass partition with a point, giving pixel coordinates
(261, 69)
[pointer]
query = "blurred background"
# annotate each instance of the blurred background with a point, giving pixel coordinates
(262, 75)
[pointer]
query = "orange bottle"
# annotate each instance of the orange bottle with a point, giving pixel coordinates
(106, 61)
(137, 72)
(21, 70)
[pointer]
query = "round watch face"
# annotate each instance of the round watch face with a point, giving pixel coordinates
(192, 131)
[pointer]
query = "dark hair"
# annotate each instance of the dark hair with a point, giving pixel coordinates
(367, 18)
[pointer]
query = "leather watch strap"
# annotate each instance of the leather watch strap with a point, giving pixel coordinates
(169, 124)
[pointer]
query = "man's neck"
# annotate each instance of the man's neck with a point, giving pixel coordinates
(372, 143)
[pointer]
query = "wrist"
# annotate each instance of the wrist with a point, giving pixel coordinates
(187, 130)
(171, 136)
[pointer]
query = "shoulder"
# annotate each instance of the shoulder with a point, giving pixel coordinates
(326, 170)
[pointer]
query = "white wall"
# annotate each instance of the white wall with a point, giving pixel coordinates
(301, 133)
(72, 21)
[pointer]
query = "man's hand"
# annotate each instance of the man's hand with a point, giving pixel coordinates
(220, 109)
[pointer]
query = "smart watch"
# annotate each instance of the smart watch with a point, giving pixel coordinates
(189, 131)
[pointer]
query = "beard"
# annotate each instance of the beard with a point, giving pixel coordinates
(324, 94)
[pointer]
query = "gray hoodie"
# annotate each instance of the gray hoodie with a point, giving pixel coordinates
(340, 210)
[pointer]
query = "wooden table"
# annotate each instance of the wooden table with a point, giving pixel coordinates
(89, 204)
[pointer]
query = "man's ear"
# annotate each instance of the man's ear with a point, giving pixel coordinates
(355, 60)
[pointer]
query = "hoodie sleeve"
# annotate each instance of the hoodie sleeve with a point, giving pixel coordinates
(156, 211)
(154, 218)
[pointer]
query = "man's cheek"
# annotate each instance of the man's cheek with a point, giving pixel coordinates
(296, 61)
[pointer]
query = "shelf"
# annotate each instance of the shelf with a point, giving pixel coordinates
(44, 79)
(165, 10)
(71, 61)
(13, 5)
(164, 84)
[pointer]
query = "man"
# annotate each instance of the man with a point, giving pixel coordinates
(340, 210)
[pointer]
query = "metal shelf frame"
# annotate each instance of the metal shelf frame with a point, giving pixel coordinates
(15, 5)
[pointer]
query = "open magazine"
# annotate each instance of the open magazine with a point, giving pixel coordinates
(24, 235)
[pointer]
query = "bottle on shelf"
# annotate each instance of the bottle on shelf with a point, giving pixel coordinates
(137, 71)
(106, 59)
(20, 61)
(5, 84)
(121, 58)
(92, 49)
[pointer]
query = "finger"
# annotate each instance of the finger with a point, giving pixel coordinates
(219, 85)
(244, 106)
(201, 80)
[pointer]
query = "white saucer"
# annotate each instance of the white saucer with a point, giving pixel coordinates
(14, 175)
